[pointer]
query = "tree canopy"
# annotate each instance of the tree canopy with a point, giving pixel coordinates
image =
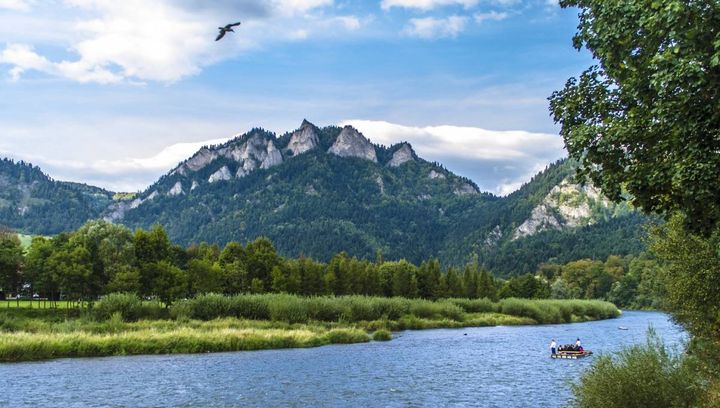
(646, 118)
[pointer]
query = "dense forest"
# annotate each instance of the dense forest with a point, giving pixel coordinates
(33, 202)
(100, 258)
(317, 205)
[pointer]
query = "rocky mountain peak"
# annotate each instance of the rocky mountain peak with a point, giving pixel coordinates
(303, 139)
(199, 160)
(351, 143)
(402, 155)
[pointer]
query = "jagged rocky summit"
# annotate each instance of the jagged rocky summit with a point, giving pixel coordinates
(259, 149)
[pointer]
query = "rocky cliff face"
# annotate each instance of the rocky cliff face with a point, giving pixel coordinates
(222, 174)
(303, 139)
(351, 143)
(261, 150)
(567, 205)
(402, 155)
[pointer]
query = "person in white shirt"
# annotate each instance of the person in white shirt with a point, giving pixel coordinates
(578, 346)
(553, 347)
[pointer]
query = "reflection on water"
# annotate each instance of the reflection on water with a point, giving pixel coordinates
(489, 367)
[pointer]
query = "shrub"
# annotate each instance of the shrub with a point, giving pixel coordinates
(128, 305)
(347, 336)
(254, 307)
(210, 306)
(382, 335)
(640, 376)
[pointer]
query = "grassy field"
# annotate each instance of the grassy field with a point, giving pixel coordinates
(121, 324)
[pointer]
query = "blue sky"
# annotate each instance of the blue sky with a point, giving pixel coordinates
(115, 93)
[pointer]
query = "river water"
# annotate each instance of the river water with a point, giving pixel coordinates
(487, 367)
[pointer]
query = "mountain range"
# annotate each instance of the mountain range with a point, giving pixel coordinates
(319, 191)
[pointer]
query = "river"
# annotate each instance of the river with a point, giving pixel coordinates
(488, 367)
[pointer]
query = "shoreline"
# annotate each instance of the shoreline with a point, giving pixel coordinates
(154, 337)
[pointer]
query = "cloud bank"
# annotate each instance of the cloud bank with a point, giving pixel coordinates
(498, 161)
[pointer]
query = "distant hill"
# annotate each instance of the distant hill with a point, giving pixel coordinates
(32, 202)
(319, 191)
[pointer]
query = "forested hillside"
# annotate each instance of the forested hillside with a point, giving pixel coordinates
(321, 191)
(32, 202)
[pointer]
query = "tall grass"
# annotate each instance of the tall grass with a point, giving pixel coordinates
(122, 324)
(352, 309)
(27, 346)
(128, 306)
(558, 311)
(296, 309)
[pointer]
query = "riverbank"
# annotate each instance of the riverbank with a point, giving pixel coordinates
(122, 325)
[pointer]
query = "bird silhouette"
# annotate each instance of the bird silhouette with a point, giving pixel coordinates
(225, 29)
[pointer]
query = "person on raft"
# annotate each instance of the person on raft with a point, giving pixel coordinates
(553, 347)
(578, 346)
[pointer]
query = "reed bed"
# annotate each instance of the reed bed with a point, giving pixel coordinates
(121, 324)
(25, 346)
(352, 309)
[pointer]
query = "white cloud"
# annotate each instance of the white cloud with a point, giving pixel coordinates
(426, 4)
(492, 16)
(128, 174)
(161, 40)
(430, 27)
(349, 22)
(16, 5)
(301, 5)
(23, 57)
(498, 161)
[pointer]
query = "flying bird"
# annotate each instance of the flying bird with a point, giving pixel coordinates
(225, 29)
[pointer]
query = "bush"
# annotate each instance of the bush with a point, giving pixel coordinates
(640, 376)
(382, 335)
(253, 307)
(346, 336)
(210, 306)
(127, 305)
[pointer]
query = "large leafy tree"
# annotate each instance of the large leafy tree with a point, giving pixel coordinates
(646, 117)
(11, 258)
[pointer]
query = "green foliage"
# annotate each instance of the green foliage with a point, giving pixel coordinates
(319, 205)
(352, 309)
(556, 311)
(644, 119)
(11, 258)
(693, 276)
(382, 335)
(640, 376)
(32, 202)
(127, 305)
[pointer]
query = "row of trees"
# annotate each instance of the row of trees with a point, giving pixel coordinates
(101, 258)
(631, 282)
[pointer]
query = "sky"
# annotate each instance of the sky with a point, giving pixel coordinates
(116, 93)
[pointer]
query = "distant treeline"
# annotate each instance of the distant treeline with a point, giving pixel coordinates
(101, 258)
